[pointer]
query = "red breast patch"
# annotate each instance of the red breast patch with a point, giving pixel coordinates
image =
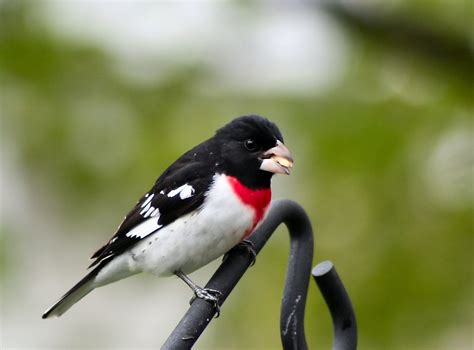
(258, 200)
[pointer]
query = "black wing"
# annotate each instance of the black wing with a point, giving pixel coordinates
(178, 191)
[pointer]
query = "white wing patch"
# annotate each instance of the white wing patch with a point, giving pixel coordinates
(149, 210)
(145, 228)
(146, 203)
(185, 191)
(153, 214)
(150, 225)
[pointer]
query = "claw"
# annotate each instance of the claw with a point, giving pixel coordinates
(210, 295)
(207, 294)
(246, 244)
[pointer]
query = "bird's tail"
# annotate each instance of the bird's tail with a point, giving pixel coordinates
(76, 293)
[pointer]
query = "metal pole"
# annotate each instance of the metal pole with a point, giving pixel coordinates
(339, 304)
(231, 270)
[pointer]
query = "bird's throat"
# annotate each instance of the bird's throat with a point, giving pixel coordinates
(258, 200)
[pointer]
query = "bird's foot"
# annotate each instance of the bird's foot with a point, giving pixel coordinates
(249, 247)
(210, 295)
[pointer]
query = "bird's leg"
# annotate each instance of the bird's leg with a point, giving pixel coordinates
(249, 247)
(207, 294)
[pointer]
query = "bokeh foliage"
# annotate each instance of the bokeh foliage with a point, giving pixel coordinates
(364, 165)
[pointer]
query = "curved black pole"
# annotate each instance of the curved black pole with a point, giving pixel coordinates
(231, 270)
(339, 304)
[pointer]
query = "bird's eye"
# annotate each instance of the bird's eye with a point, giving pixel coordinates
(251, 145)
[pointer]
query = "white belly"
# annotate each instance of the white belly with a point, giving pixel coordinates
(197, 238)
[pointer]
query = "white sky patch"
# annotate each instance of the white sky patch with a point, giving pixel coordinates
(144, 229)
(185, 191)
(449, 168)
(278, 47)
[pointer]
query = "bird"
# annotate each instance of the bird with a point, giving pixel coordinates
(204, 204)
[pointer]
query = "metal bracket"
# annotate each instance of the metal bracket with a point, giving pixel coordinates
(200, 313)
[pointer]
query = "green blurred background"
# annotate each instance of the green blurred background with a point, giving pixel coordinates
(374, 99)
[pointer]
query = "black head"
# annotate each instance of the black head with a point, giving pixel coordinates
(253, 151)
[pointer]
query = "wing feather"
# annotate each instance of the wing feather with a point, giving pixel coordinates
(179, 191)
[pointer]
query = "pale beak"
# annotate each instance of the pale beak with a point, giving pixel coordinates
(277, 160)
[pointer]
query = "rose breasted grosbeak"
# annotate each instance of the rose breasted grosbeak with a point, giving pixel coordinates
(205, 203)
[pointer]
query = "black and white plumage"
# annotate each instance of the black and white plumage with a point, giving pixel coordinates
(205, 203)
